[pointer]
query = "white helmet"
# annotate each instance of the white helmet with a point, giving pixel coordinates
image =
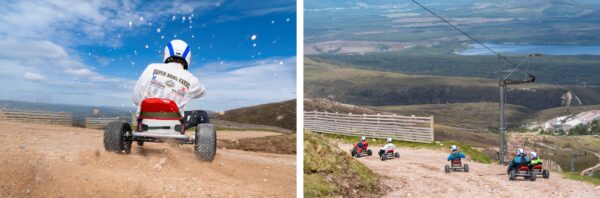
(363, 138)
(454, 148)
(520, 151)
(389, 140)
(177, 51)
(533, 154)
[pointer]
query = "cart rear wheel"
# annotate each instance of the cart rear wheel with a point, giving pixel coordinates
(205, 145)
(512, 175)
(532, 176)
(114, 137)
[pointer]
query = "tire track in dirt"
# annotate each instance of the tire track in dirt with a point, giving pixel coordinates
(420, 173)
(40, 160)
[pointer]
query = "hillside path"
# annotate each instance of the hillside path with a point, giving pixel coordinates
(420, 173)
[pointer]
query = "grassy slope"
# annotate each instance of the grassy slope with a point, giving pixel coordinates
(577, 177)
(280, 114)
(473, 154)
(570, 70)
(477, 116)
(377, 88)
(330, 172)
(271, 144)
(463, 102)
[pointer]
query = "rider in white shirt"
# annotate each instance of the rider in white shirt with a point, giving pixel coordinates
(387, 147)
(172, 80)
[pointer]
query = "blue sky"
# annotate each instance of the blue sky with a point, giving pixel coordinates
(91, 53)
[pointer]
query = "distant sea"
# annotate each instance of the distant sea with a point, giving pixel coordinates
(520, 49)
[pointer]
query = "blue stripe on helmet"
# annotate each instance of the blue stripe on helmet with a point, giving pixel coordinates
(187, 50)
(171, 51)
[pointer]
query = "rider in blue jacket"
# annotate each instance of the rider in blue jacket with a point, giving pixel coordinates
(455, 154)
(362, 142)
(520, 160)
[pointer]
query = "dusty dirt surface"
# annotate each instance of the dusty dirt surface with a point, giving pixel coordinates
(420, 173)
(236, 135)
(39, 160)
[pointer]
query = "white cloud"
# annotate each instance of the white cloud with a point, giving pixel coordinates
(33, 76)
(73, 22)
(39, 61)
(238, 84)
(79, 72)
(256, 8)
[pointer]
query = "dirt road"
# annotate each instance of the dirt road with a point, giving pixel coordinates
(420, 173)
(233, 135)
(54, 161)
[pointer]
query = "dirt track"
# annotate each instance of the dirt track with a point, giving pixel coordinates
(53, 161)
(420, 172)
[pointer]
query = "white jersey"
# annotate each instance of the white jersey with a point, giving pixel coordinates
(388, 147)
(167, 80)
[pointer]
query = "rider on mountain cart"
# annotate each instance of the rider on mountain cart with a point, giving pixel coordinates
(535, 160)
(387, 147)
(362, 143)
(455, 154)
(520, 160)
(172, 80)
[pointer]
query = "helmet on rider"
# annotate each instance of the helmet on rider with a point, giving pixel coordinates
(363, 138)
(454, 148)
(520, 151)
(533, 154)
(177, 51)
(389, 140)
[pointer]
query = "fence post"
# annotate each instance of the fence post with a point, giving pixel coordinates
(335, 124)
(432, 129)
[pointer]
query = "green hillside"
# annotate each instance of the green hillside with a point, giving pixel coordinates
(280, 114)
(346, 84)
(474, 116)
(331, 172)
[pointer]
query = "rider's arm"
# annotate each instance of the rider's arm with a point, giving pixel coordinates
(462, 155)
(450, 157)
(196, 89)
(140, 86)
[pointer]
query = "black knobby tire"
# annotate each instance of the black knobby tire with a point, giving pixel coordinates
(397, 155)
(512, 175)
(114, 137)
(447, 168)
(369, 152)
(205, 145)
(140, 143)
(353, 152)
(532, 176)
(546, 174)
(466, 167)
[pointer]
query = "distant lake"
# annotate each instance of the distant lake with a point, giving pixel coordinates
(528, 49)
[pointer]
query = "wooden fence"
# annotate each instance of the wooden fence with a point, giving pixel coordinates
(406, 128)
(59, 118)
(98, 123)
